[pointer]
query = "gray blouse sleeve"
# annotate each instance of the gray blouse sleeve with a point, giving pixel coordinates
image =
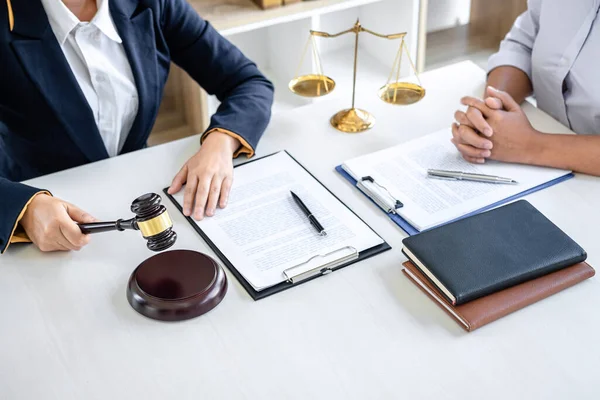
(515, 49)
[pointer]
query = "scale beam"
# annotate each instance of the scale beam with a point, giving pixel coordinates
(355, 29)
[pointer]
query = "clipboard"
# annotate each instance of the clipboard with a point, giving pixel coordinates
(411, 230)
(298, 274)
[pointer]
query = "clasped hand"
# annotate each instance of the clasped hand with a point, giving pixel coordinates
(495, 128)
(51, 223)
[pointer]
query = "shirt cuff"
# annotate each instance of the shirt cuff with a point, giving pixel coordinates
(511, 58)
(11, 15)
(245, 148)
(18, 234)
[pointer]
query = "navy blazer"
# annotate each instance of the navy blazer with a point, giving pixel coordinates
(46, 124)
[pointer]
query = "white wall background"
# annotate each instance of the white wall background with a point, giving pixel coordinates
(443, 14)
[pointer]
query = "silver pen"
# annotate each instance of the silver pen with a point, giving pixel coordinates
(467, 176)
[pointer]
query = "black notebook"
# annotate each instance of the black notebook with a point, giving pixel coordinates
(489, 252)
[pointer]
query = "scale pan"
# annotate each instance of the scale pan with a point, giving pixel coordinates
(312, 85)
(401, 93)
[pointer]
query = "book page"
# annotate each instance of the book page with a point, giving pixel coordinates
(263, 232)
(430, 202)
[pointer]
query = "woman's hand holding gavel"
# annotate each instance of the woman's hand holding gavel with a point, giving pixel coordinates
(54, 225)
(51, 224)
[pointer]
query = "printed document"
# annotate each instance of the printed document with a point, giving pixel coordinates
(429, 202)
(263, 232)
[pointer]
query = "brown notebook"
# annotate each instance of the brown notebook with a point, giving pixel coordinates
(484, 310)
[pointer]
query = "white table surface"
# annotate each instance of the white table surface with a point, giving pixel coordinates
(364, 332)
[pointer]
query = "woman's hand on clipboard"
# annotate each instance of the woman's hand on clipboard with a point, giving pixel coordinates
(207, 176)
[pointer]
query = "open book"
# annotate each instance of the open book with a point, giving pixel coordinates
(264, 235)
(402, 170)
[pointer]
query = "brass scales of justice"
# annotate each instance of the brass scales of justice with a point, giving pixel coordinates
(354, 120)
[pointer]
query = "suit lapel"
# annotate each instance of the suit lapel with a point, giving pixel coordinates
(42, 58)
(137, 32)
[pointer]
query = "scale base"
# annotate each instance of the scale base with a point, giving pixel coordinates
(353, 120)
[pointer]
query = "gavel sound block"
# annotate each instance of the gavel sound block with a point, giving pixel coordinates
(174, 285)
(151, 219)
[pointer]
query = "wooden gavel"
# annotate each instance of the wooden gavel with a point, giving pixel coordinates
(151, 219)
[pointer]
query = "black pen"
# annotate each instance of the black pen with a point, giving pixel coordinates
(311, 217)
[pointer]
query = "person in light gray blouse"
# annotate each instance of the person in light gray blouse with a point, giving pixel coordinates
(553, 52)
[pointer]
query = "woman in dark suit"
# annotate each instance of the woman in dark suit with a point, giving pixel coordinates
(82, 80)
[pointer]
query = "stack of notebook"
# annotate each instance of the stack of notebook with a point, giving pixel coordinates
(484, 267)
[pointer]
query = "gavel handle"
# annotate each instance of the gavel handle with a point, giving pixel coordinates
(118, 225)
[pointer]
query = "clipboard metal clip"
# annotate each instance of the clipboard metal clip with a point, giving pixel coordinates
(299, 273)
(379, 194)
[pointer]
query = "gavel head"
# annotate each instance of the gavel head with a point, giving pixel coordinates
(154, 222)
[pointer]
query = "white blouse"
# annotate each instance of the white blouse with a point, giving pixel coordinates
(97, 58)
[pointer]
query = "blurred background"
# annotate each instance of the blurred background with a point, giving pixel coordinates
(467, 29)
(273, 33)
